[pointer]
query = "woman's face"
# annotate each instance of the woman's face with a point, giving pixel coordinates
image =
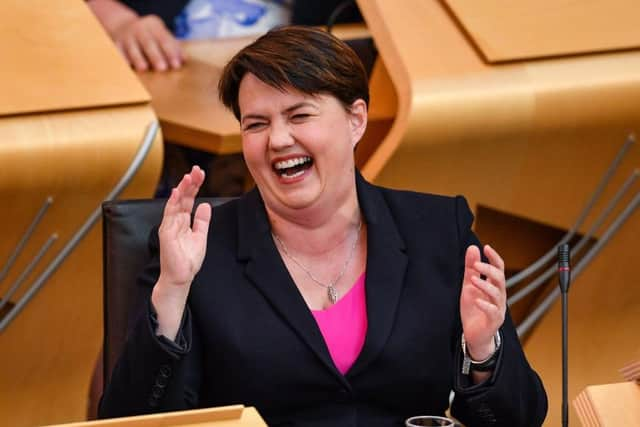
(298, 147)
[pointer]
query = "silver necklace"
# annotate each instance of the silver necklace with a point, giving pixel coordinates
(332, 293)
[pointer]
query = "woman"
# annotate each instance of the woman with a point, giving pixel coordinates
(317, 297)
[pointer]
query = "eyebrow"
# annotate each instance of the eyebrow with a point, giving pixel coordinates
(285, 111)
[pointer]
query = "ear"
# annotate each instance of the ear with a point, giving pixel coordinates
(358, 120)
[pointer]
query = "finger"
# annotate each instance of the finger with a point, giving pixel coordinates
(201, 219)
(172, 207)
(175, 219)
(470, 293)
(494, 274)
(489, 291)
(190, 186)
(134, 54)
(169, 45)
(152, 50)
(494, 258)
(472, 256)
(197, 179)
(491, 310)
(186, 193)
(198, 175)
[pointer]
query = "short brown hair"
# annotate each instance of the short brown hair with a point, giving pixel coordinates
(305, 58)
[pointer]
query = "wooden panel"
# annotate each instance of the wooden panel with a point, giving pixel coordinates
(186, 100)
(224, 416)
(586, 415)
(604, 309)
(530, 139)
(514, 125)
(631, 372)
(609, 405)
(56, 56)
(525, 29)
(49, 350)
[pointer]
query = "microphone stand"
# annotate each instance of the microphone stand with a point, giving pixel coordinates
(564, 276)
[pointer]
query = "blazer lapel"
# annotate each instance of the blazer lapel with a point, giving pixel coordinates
(386, 267)
(269, 274)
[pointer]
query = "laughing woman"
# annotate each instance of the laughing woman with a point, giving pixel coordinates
(319, 298)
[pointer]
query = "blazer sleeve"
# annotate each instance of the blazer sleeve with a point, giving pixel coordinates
(514, 395)
(153, 373)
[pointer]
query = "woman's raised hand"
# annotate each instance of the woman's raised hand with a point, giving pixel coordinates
(483, 302)
(182, 250)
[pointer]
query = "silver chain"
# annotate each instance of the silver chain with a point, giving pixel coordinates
(332, 293)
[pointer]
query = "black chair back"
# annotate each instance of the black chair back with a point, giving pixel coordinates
(126, 225)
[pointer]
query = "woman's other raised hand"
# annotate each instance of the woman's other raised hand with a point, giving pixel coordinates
(483, 301)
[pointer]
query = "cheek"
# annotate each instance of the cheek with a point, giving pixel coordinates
(251, 150)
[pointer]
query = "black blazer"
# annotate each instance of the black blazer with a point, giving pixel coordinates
(248, 337)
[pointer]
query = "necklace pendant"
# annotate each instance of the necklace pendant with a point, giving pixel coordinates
(332, 294)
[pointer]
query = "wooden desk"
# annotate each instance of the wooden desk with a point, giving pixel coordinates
(72, 119)
(186, 100)
(530, 140)
(223, 416)
(609, 405)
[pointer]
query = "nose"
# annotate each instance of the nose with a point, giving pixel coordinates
(280, 136)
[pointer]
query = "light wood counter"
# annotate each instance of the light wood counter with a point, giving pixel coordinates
(224, 416)
(72, 118)
(530, 139)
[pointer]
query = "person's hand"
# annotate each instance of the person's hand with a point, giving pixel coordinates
(483, 302)
(182, 247)
(182, 251)
(144, 41)
(147, 43)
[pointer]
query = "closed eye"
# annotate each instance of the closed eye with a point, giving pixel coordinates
(300, 117)
(253, 126)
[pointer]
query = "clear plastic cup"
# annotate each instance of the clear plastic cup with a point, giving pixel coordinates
(429, 421)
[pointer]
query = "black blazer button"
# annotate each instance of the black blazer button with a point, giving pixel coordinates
(156, 392)
(161, 381)
(165, 371)
(152, 402)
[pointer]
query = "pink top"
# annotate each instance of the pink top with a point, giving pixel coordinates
(344, 326)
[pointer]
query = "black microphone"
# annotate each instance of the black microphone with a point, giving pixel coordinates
(564, 278)
(564, 268)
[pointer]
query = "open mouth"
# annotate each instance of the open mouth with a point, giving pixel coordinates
(294, 167)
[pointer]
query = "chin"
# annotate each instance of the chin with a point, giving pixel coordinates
(297, 201)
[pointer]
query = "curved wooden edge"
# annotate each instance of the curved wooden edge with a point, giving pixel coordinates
(77, 158)
(440, 79)
(450, 100)
(398, 75)
(59, 57)
(529, 139)
(76, 150)
(538, 28)
(583, 406)
(615, 404)
(210, 416)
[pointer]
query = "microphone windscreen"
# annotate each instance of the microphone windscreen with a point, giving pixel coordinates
(563, 255)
